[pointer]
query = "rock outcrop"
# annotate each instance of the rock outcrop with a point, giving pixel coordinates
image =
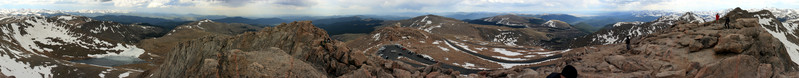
(300, 40)
(156, 48)
(268, 63)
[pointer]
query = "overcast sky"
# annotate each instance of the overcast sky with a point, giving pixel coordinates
(378, 7)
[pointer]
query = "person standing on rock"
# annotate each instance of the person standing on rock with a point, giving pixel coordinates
(568, 72)
(717, 16)
(727, 22)
(627, 41)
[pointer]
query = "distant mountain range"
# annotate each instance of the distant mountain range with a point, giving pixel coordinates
(257, 22)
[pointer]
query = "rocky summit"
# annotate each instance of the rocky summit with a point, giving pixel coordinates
(298, 40)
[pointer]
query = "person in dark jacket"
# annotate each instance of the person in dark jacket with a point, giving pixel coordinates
(628, 42)
(568, 72)
(727, 22)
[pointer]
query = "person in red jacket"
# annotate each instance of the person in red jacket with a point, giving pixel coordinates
(717, 16)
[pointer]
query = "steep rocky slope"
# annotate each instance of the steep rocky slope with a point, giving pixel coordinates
(156, 48)
(37, 46)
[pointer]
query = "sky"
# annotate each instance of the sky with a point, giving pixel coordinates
(386, 7)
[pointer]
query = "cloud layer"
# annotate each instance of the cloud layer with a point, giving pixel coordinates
(345, 7)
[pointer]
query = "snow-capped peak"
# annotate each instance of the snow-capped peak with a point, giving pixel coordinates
(691, 17)
(622, 23)
(39, 12)
(206, 20)
(66, 18)
(550, 23)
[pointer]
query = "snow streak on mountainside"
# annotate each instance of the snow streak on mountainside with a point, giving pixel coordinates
(36, 34)
(785, 32)
(621, 31)
(33, 46)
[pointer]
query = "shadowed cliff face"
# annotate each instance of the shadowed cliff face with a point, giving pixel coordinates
(300, 40)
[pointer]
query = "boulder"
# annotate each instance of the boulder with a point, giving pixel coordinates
(702, 42)
(746, 22)
(432, 75)
(733, 43)
(399, 73)
(695, 46)
(528, 73)
(671, 74)
(742, 66)
(624, 63)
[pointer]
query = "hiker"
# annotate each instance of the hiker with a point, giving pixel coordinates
(717, 16)
(726, 22)
(628, 42)
(568, 72)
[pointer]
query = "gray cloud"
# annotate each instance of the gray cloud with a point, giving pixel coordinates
(300, 3)
(626, 2)
(235, 3)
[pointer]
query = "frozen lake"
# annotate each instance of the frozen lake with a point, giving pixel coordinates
(112, 61)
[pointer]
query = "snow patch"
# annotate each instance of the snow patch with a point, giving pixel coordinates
(528, 56)
(443, 48)
(509, 59)
(481, 48)
(506, 38)
(66, 18)
(102, 74)
(607, 38)
(431, 28)
(12, 67)
(506, 52)
(511, 65)
(623, 23)
(129, 51)
(550, 23)
(792, 48)
(460, 45)
(125, 74)
(376, 36)
(427, 57)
